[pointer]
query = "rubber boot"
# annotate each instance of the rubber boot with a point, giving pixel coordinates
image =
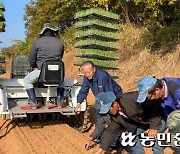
(60, 97)
(32, 98)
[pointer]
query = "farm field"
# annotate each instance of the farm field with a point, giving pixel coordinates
(58, 137)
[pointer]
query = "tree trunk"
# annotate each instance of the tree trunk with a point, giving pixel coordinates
(125, 11)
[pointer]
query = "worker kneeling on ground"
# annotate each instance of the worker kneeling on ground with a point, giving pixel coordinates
(126, 116)
(167, 93)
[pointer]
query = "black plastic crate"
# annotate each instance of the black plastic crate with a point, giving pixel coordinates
(20, 67)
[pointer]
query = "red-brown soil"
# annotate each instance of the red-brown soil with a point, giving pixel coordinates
(57, 137)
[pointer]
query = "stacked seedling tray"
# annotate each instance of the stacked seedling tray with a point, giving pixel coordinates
(2, 19)
(96, 37)
(2, 29)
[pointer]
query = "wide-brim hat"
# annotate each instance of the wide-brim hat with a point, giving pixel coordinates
(48, 26)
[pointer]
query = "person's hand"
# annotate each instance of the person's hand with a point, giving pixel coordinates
(78, 108)
(152, 132)
(99, 151)
(87, 143)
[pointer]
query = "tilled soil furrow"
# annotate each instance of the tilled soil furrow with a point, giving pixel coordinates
(54, 144)
(78, 138)
(71, 130)
(64, 139)
(62, 143)
(39, 142)
(49, 145)
(27, 144)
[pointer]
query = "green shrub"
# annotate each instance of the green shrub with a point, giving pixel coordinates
(2, 59)
(68, 38)
(157, 37)
(2, 70)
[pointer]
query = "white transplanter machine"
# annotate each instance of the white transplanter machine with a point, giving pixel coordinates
(14, 99)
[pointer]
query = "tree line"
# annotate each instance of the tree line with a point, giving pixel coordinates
(152, 14)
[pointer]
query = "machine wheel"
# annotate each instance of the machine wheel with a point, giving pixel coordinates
(58, 115)
(44, 117)
(40, 117)
(53, 114)
(15, 120)
(30, 117)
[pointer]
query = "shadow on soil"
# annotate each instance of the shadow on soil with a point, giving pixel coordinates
(35, 121)
(6, 127)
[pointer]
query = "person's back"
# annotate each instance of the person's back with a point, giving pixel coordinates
(46, 47)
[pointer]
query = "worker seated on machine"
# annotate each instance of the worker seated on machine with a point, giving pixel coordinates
(46, 47)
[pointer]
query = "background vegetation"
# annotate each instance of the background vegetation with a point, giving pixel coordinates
(145, 24)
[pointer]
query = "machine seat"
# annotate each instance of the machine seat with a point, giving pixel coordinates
(52, 73)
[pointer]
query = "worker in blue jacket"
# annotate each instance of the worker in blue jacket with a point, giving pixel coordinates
(167, 91)
(98, 81)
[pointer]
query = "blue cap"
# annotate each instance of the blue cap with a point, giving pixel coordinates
(143, 85)
(105, 100)
(97, 104)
